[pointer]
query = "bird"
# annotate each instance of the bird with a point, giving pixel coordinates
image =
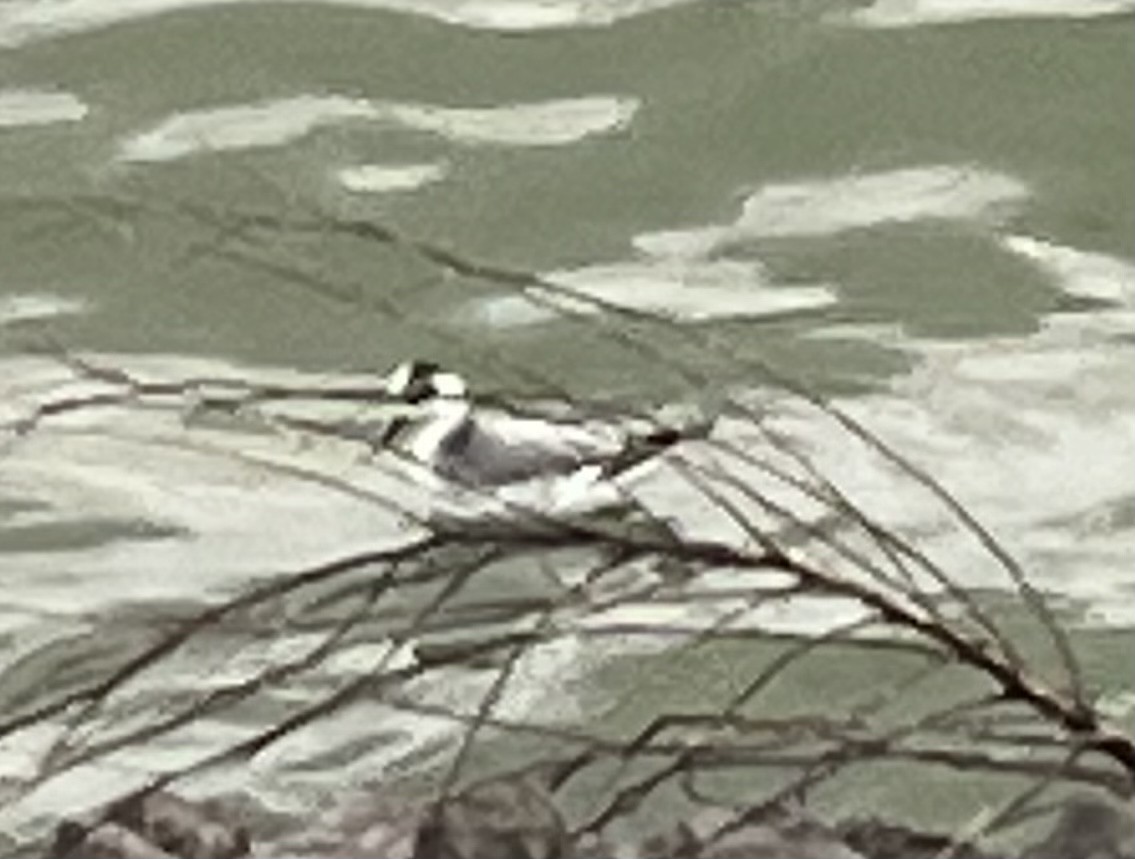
(495, 450)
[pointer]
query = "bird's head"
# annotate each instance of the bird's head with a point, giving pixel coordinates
(417, 382)
(430, 389)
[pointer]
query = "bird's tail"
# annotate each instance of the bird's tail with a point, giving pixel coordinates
(646, 446)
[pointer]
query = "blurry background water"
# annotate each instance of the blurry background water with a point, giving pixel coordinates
(921, 207)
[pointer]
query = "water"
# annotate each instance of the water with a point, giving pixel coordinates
(921, 208)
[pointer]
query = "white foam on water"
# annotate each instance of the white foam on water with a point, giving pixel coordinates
(231, 524)
(888, 334)
(281, 121)
(22, 107)
(33, 306)
(386, 178)
(288, 777)
(86, 787)
(912, 13)
(528, 15)
(241, 505)
(291, 776)
(824, 207)
(677, 289)
(518, 17)
(24, 21)
(1034, 435)
(1079, 273)
(549, 123)
(675, 275)
(651, 626)
(268, 123)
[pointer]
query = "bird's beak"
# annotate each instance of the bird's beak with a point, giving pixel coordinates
(397, 381)
(387, 384)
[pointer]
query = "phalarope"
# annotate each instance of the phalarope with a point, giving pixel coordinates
(491, 449)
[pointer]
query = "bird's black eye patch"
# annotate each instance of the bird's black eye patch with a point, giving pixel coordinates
(419, 390)
(423, 370)
(413, 381)
(420, 386)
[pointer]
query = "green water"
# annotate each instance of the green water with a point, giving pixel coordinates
(731, 96)
(959, 196)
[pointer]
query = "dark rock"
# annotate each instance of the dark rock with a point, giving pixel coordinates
(766, 841)
(154, 826)
(180, 827)
(385, 840)
(709, 834)
(68, 836)
(676, 844)
(685, 839)
(591, 846)
(772, 832)
(1087, 829)
(366, 827)
(879, 840)
(106, 841)
(506, 818)
(681, 842)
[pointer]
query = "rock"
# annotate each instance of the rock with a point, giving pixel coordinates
(880, 840)
(683, 841)
(506, 818)
(676, 844)
(765, 841)
(1087, 829)
(180, 827)
(591, 846)
(680, 842)
(385, 841)
(373, 826)
(106, 841)
(776, 833)
(154, 826)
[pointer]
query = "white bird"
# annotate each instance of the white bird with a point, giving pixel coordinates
(514, 457)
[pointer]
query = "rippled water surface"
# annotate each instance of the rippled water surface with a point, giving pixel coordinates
(922, 208)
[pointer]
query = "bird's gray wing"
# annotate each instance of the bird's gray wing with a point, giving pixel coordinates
(478, 457)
